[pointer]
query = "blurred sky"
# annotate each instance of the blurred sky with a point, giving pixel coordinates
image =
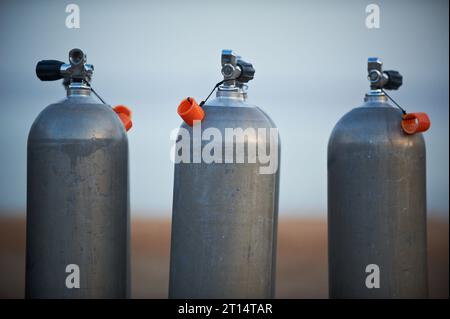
(310, 59)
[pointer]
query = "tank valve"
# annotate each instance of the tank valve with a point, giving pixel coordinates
(392, 80)
(379, 79)
(76, 71)
(235, 71)
(77, 74)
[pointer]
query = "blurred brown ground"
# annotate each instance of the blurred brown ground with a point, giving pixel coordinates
(301, 261)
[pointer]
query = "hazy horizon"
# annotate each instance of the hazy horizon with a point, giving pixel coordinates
(310, 59)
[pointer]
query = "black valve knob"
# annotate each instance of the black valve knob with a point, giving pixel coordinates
(49, 70)
(247, 71)
(395, 80)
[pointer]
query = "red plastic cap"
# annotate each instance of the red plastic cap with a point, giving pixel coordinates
(415, 122)
(190, 111)
(124, 113)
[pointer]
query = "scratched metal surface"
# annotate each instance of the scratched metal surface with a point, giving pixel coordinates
(376, 205)
(77, 202)
(224, 223)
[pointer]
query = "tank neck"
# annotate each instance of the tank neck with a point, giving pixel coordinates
(78, 89)
(375, 96)
(232, 92)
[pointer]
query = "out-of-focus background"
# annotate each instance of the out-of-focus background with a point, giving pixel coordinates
(302, 269)
(310, 59)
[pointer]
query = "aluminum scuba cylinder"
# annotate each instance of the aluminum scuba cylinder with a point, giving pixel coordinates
(225, 207)
(77, 191)
(377, 197)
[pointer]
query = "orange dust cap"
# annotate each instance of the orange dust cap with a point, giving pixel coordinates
(415, 122)
(190, 111)
(124, 113)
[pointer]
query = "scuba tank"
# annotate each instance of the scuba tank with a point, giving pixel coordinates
(77, 191)
(224, 222)
(377, 197)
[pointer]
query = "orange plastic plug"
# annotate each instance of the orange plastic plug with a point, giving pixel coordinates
(124, 113)
(415, 122)
(190, 111)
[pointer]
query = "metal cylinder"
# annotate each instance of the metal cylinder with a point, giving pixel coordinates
(376, 205)
(77, 201)
(224, 222)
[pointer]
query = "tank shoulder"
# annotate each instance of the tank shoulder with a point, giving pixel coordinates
(236, 116)
(376, 124)
(269, 119)
(66, 120)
